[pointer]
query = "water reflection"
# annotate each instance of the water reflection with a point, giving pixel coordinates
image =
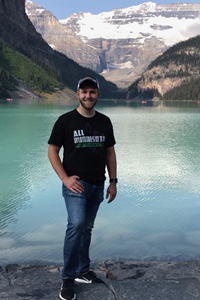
(156, 212)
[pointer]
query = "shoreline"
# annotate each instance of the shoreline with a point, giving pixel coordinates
(94, 262)
(138, 280)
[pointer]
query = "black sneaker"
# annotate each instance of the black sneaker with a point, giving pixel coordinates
(67, 290)
(88, 277)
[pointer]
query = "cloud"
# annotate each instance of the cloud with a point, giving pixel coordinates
(47, 234)
(192, 30)
(6, 242)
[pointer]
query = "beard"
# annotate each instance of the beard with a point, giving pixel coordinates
(93, 103)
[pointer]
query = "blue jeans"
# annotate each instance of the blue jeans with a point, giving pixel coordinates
(82, 209)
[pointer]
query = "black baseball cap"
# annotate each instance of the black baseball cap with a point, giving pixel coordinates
(91, 79)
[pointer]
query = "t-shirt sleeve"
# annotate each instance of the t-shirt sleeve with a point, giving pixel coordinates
(58, 133)
(111, 139)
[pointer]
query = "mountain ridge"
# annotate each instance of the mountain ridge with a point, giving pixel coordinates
(17, 30)
(161, 80)
(174, 75)
(121, 43)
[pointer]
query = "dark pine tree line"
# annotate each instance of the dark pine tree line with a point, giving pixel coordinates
(189, 90)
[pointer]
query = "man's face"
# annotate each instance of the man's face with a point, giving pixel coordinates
(88, 97)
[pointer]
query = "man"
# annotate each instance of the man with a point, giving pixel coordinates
(88, 141)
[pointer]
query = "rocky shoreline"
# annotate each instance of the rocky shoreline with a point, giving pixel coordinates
(124, 280)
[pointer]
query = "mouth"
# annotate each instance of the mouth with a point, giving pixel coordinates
(88, 100)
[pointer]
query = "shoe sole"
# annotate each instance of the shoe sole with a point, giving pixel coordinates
(66, 298)
(78, 280)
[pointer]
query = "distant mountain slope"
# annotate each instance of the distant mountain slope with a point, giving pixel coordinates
(121, 43)
(170, 23)
(62, 38)
(17, 30)
(17, 67)
(175, 75)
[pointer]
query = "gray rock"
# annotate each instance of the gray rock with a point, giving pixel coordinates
(123, 281)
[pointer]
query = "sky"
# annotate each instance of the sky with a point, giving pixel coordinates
(61, 9)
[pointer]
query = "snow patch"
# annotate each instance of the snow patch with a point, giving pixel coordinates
(40, 10)
(52, 46)
(120, 24)
(111, 67)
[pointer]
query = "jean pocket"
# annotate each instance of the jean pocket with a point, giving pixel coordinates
(65, 191)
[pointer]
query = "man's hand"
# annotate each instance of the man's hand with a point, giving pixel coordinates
(111, 192)
(73, 184)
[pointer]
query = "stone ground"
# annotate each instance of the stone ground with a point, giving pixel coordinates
(123, 281)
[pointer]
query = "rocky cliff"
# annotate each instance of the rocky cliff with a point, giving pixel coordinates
(120, 44)
(177, 70)
(123, 60)
(62, 38)
(17, 29)
(134, 36)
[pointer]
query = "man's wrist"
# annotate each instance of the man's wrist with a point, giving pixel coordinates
(63, 178)
(114, 180)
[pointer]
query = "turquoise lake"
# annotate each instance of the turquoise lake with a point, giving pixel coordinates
(156, 214)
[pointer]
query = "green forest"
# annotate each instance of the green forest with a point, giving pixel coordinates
(42, 77)
(7, 82)
(186, 91)
(186, 56)
(185, 53)
(17, 66)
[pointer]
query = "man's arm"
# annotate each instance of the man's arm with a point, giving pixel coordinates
(112, 171)
(69, 181)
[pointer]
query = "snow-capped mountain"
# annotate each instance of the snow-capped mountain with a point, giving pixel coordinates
(62, 38)
(123, 41)
(169, 23)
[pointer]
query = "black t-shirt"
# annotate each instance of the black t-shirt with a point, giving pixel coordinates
(84, 141)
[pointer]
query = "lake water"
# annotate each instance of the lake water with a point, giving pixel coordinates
(156, 214)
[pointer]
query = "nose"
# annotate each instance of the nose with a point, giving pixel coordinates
(88, 95)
